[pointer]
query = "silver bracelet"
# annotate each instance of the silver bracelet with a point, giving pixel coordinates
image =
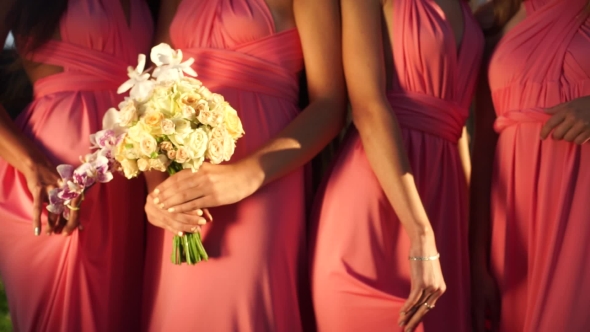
(427, 258)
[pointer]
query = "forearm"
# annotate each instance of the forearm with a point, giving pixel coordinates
(464, 154)
(380, 134)
(299, 142)
(15, 148)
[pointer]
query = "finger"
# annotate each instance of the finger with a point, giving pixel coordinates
(553, 122)
(61, 223)
(180, 181)
(207, 215)
(556, 109)
(561, 130)
(410, 306)
(416, 318)
(582, 138)
(52, 220)
(197, 212)
(186, 207)
(73, 222)
(174, 222)
(38, 199)
(575, 131)
(179, 228)
(433, 298)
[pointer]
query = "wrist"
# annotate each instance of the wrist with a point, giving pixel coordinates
(253, 174)
(422, 243)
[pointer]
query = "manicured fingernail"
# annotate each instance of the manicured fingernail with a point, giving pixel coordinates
(202, 221)
(171, 210)
(180, 233)
(156, 200)
(199, 212)
(161, 206)
(37, 231)
(156, 191)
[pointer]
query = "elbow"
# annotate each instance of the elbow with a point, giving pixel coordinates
(334, 111)
(365, 116)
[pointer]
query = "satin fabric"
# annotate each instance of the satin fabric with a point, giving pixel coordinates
(360, 268)
(90, 281)
(250, 282)
(540, 189)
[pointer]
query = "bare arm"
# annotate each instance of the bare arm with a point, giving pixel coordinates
(20, 152)
(380, 133)
(464, 154)
(318, 23)
(378, 127)
(14, 147)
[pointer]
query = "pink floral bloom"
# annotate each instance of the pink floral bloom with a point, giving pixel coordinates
(56, 204)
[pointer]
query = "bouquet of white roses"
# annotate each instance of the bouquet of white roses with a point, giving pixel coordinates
(169, 122)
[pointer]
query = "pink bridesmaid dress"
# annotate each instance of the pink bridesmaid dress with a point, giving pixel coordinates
(255, 246)
(360, 268)
(90, 281)
(541, 189)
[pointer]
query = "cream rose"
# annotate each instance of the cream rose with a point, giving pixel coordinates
(148, 145)
(194, 164)
(127, 149)
(215, 151)
(143, 164)
(153, 119)
(136, 132)
(233, 124)
(229, 147)
(161, 100)
(182, 155)
(160, 163)
(166, 146)
(188, 112)
(191, 83)
(196, 143)
(204, 92)
(128, 113)
(168, 127)
(190, 98)
(171, 154)
(130, 168)
(182, 126)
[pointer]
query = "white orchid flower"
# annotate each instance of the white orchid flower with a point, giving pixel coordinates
(170, 66)
(139, 81)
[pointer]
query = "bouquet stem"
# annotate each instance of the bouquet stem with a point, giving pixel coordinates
(188, 249)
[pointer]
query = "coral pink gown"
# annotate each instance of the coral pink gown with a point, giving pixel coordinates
(90, 281)
(541, 189)
(250, 282)
(360, 268)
